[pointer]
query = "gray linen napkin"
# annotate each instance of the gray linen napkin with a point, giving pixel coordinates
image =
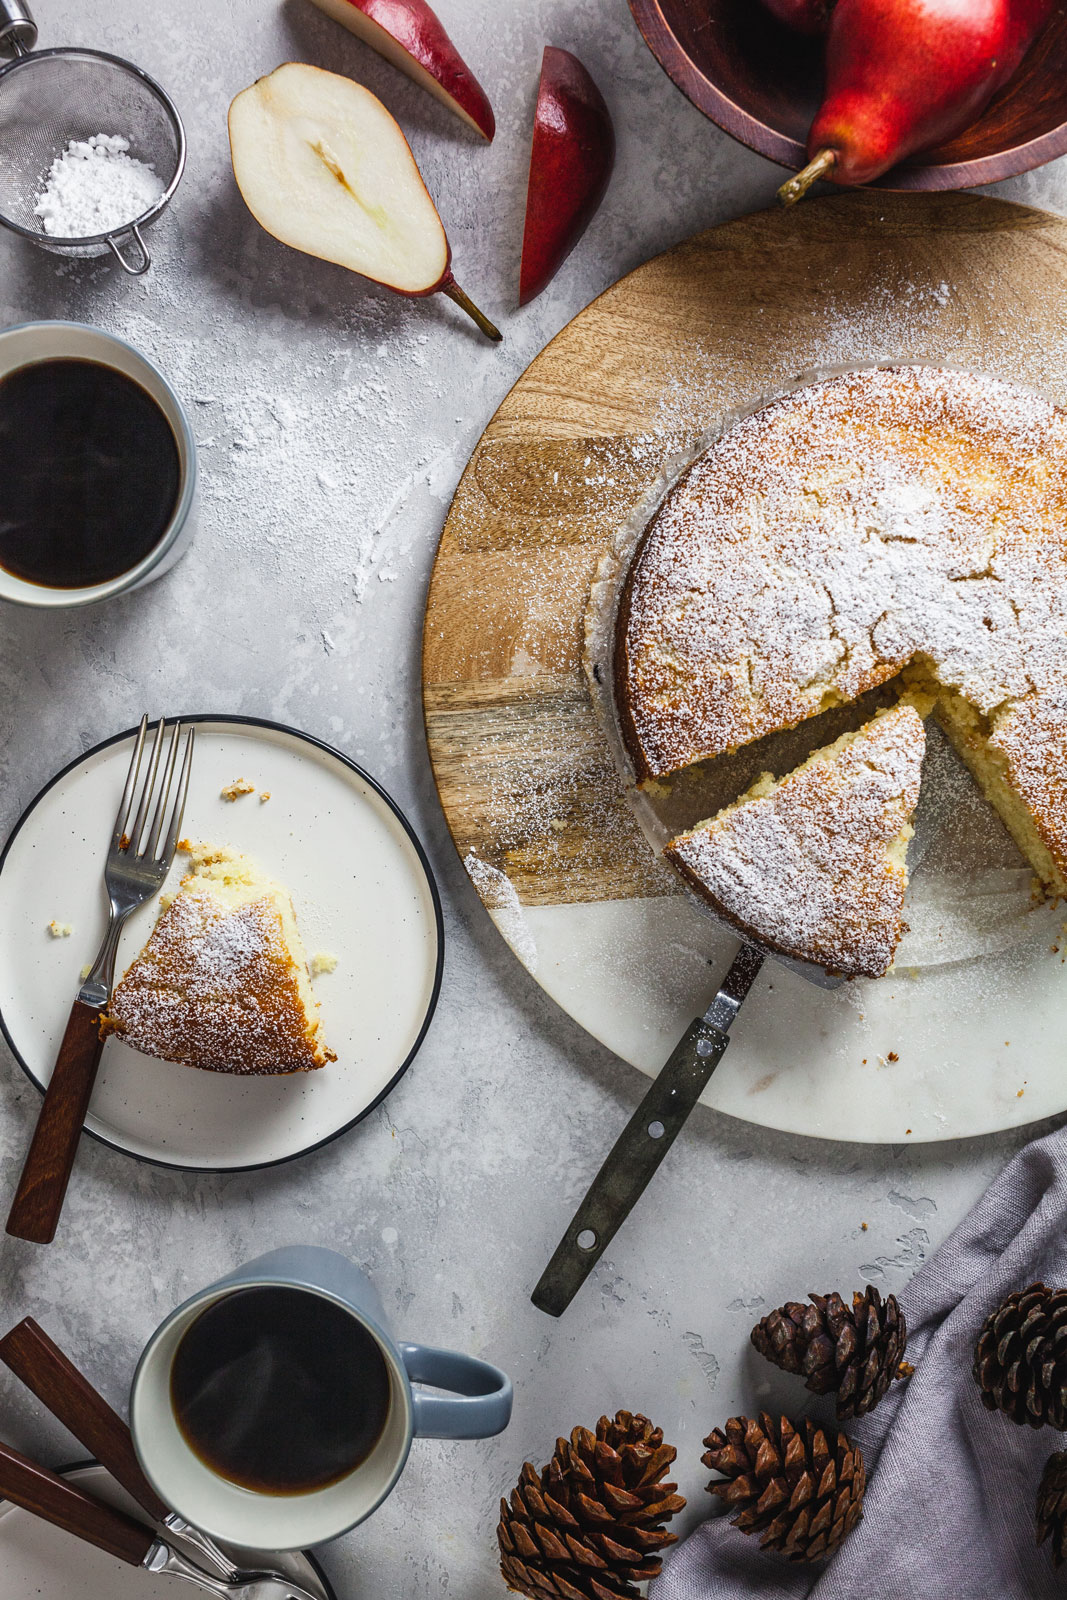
(949, 1509)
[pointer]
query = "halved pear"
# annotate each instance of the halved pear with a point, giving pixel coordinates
(323, 167)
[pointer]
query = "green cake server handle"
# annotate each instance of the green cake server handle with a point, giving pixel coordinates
(646, 1139)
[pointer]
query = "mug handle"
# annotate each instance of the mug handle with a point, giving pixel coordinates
(483, 1393)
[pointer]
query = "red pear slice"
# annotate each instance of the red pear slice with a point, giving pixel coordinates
(410, 36)
(571, 160)
(322, 165)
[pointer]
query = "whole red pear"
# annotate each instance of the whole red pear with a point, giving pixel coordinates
(571, 160)
(803, 16)
(902, 75)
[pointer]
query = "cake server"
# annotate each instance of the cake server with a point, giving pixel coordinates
(138, 860)
(46, 1495)
(658, 1120)
(646, 1138)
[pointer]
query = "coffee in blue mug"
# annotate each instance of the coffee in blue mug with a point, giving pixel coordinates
(275, 1410)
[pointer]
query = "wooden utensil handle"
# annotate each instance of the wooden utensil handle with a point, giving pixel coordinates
(67, 1507)
(39, 1198)
(70, 1397)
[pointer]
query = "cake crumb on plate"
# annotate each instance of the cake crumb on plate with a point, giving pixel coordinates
(322, 961)
(60, 930)
(238, 787)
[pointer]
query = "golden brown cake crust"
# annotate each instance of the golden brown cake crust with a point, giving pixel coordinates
(216, 988)
(859, 524)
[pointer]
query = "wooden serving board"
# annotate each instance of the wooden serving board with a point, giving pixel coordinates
(523, 768)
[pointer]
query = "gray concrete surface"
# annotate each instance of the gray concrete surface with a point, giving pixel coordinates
(334, 421)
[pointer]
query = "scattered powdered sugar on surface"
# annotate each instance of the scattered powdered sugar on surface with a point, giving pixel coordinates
(498, 895)
(329, 439)
(95, 186)
(806, 867)
(287, 471)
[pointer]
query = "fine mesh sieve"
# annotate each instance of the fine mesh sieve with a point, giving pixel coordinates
(49, 98)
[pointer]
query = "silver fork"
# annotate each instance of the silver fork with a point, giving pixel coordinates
(138, 861)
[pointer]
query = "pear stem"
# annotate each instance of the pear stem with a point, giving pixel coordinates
(796, 187)
(465, 303)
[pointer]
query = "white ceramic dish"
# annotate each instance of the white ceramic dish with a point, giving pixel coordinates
(363, 891)
(39, 1560)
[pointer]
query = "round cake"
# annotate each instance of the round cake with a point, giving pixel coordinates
(905, 521)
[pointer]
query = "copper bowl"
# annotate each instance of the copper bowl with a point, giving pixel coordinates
(762, 83)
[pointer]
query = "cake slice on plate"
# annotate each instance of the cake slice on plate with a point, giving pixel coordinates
(223, 981)
(813, 865)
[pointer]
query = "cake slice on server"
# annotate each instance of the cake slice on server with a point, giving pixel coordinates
(813, 865)
(223, 981)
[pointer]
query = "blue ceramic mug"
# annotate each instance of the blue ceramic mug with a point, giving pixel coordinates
(479, 1407)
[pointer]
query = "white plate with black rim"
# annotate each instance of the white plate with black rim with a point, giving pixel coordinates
(363, 892)
(40, 1560)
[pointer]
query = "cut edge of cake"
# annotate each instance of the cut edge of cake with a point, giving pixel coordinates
(863, 939)
(974, 738)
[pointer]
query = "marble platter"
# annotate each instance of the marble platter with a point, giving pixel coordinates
(965, 1036)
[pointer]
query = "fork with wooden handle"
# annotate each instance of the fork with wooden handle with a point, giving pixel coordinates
(138, 861)
(45, 1494)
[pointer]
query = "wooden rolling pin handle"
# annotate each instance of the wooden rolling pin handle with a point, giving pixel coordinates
(39, 1198)
(41, 1365)
(45, 1495)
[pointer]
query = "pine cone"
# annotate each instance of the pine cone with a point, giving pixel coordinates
(1052, 1506)
(589, 1525)
(1020, 1360)
(856, 1352)
(801, 1492)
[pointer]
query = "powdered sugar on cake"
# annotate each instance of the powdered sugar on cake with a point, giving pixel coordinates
(809, 868)
(832, 537)
(214, 987)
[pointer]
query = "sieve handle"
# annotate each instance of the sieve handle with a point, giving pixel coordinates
(137, 264)
(18, 31)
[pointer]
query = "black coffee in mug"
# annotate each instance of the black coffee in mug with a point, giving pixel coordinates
(90, 473)
(279, 1390)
